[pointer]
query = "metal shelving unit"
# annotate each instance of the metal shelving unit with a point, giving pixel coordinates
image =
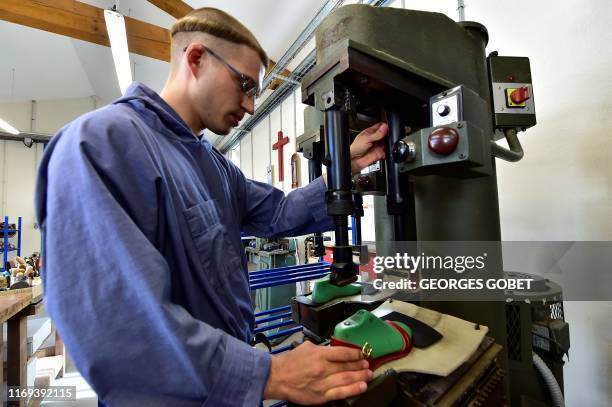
(6, 239)
(276, 318)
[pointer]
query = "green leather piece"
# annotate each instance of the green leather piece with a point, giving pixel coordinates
(324, 291)
(363, 326)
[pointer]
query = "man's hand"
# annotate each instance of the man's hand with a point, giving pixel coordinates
(312, 374)
(368, 147)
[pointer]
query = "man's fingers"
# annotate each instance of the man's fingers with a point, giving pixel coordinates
(372, 128)
(346, 378)
(343, 392)
(375, 154)
(380, 132)
(337, 367)
(376, 132)
(341, 354)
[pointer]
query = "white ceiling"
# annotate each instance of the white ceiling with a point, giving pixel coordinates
(39, 65)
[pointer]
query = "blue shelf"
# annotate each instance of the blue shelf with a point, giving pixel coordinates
(273, 318)
(5, 237)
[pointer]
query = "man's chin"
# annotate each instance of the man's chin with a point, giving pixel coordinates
(221, 131)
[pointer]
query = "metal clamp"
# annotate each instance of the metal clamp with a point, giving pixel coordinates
(366, 350)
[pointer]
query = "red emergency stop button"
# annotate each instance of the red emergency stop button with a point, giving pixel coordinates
(443, 140)
(520, 95)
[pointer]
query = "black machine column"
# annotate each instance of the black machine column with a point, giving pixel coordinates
(315, 171)
(339, 196)
(358, 200)
(400, 198)
(312, 145)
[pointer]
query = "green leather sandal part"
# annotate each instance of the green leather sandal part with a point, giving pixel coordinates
(364, 327)
(324, 291)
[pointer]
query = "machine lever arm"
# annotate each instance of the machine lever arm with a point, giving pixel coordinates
(515, 153)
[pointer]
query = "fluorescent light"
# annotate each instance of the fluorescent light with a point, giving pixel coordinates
(8, 128)
(115, 26)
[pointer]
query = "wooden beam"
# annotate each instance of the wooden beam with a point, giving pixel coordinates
(84, 22)
(276, 82)
(176, 8)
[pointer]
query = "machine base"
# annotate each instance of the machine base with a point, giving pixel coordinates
(478, 382)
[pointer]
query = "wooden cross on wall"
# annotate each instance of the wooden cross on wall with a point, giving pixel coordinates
(279, 146)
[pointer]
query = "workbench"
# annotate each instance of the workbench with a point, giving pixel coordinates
(15, 307)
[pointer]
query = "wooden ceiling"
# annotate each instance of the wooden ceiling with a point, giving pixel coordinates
(85, 22)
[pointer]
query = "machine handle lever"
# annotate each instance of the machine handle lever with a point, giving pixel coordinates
(515, 153)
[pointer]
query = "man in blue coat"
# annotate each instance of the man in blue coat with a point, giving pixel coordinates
(144, 271)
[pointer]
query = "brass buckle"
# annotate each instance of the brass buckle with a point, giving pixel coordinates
(366, 350)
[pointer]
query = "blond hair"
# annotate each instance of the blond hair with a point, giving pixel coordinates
(219, 24)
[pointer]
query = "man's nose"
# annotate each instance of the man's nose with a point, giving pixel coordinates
(248, 104)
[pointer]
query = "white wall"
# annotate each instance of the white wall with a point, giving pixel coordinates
(261, 150)
(246, 155)
(274, 126)
(19, 164)
(562, 189)
(299, 130)
(17, 174)
(234, 154)
(256, 147)
(289, 118)
(288, 127)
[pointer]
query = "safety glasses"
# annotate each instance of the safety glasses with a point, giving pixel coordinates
(249, 86)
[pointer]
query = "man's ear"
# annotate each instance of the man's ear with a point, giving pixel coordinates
(195, 56)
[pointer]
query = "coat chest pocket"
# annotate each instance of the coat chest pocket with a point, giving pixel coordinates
(209, 240)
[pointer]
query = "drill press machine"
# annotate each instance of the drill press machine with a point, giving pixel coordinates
(446, 104)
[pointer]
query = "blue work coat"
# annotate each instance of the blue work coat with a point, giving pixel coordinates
(144, 272)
